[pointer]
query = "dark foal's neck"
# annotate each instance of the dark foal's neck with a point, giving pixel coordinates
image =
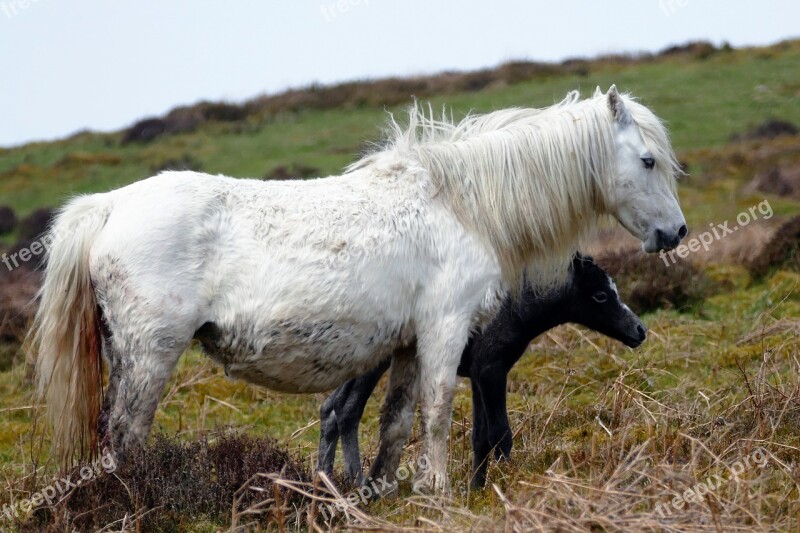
(537, 314)
(516, 325)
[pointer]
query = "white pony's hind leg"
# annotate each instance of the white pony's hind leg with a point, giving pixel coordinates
(145, 336)
(142, 375)
(110, 394)
(397, 414)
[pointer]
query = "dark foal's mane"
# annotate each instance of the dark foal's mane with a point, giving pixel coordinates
(588, 297)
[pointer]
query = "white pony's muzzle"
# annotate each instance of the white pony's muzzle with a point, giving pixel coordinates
(660, 239)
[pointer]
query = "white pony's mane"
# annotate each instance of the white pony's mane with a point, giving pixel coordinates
(526, 179)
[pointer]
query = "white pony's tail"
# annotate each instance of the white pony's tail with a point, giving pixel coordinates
(65, 340)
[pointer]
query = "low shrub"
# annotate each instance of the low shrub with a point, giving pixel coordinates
(8, 220)
(781, 252)
(293, 171)
(170, 485)
(646, 283)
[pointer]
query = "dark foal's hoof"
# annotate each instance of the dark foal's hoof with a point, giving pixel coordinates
(501, 454)
(477, 482)
(502, 450)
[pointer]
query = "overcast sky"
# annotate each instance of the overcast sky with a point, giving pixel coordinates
(67, 66)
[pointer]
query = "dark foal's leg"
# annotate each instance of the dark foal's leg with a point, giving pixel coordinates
(348, 417)
(492, 383)
(480, 440)
(340, 415)
(329, 430)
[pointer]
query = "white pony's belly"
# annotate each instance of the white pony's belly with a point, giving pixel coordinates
(302, 358)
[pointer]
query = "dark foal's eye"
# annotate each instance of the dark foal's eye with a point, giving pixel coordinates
(649, 162)
(600, 297)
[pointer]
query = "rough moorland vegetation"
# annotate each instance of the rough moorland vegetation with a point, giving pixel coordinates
(698, 429)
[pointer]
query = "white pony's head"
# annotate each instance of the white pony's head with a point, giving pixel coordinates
(645, 200)
(533, 183)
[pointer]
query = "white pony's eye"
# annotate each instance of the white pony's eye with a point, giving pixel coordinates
(600, 297)
(649, 162)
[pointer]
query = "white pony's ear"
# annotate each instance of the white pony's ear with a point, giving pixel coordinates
(617, 106)
(598, 91)
(572, 97)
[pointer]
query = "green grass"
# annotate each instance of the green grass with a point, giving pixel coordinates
(697, 367)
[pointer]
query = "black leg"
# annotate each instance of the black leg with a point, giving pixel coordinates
(329, 432)
(492, 383)
(480, 442)
(340, 415)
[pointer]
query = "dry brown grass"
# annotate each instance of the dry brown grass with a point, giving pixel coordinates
(648, 451)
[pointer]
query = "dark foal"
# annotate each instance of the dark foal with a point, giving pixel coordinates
(589, 297)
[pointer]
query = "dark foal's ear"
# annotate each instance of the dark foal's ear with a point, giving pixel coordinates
(579, 261)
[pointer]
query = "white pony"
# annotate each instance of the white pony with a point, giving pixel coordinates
(302, 285)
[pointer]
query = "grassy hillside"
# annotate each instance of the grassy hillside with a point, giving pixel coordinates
(705, 101)
(603, 434)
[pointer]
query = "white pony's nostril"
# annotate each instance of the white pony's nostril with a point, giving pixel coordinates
(683, 231)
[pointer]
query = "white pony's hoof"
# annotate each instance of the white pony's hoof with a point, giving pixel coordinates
(432, 483)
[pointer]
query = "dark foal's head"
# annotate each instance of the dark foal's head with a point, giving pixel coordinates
(593, 301)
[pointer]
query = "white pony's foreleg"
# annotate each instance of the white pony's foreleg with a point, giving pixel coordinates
(439, 352)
